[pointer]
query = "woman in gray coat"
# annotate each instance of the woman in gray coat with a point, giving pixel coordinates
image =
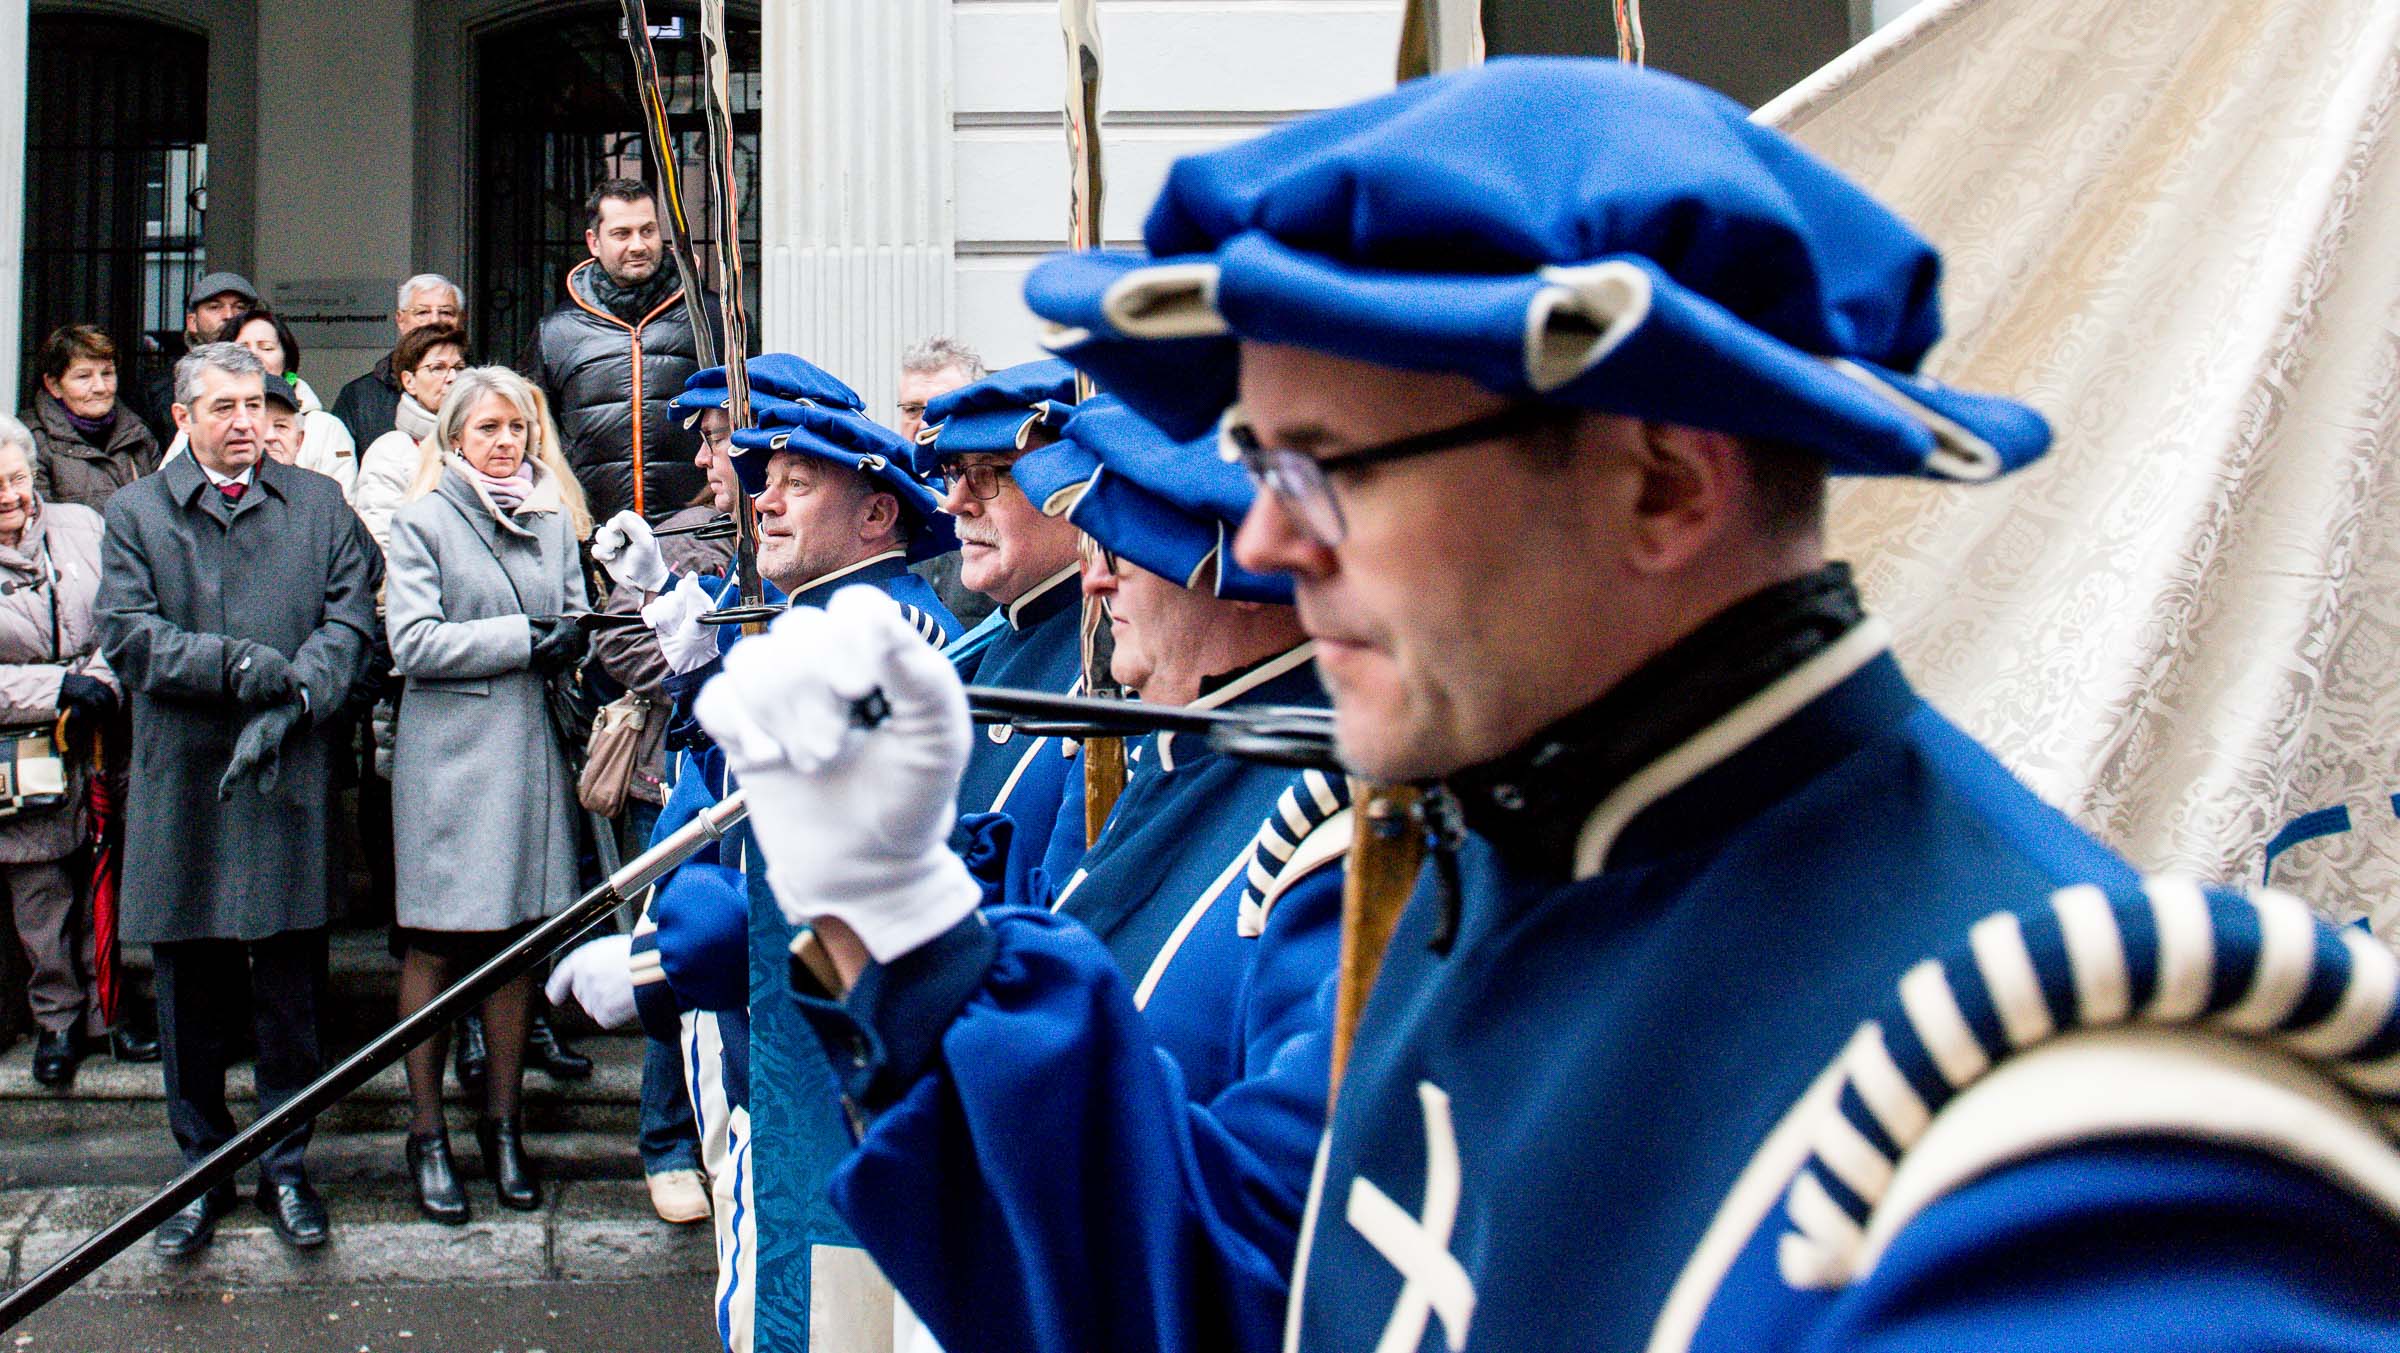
(484, 582)
(50, 666)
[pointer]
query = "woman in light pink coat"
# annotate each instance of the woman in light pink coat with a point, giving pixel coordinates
(51, 676)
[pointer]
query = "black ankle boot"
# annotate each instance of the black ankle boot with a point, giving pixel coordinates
(545, 1049)
(436, 1176)
(470, 1057)
(504, 1160)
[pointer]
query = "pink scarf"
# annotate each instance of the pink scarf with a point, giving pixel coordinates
(509, 492)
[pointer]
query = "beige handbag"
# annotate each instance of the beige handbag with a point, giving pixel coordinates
(623, 734)
(32, 773)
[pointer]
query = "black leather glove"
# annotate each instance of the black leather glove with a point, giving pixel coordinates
(85, 700)
(259, 676)
(259, 750)
(558, 643)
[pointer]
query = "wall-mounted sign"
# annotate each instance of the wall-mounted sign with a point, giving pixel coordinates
(336, 312)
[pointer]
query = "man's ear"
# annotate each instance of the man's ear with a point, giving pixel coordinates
(881, 517)
(183, 418)
(1688, 492)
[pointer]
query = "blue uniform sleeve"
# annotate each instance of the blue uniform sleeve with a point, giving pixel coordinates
(2141, 1245)
(1042, 1180)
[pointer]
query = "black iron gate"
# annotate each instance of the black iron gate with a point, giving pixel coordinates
(116, 179)
(554, 117)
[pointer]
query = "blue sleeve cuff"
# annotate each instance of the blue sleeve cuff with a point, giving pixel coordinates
(983, 840)
(888, 1030)
(654, 1002)
(703, 916)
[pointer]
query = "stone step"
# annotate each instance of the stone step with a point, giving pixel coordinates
(587, 1230)
(108, 1094)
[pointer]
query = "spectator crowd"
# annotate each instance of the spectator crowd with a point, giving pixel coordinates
(232, 611)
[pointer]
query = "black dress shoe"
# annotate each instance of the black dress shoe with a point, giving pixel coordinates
(469, 1057)
(55, 1054)
(436, 1176)
(544, 1049)
(297, 1212)
(504, 1160)
(129, 1044)
(188, 1232)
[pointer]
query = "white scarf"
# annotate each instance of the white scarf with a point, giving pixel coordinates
(412, 418)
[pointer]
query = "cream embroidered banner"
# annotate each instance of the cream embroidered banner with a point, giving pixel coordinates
(2174, 226)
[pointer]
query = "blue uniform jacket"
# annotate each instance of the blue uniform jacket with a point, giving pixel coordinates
(1540, 1123)
(1036, 647)
(795, 1134)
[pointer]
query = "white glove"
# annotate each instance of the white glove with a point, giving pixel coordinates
(854, 822)
(629, 552)
(675, 617)
(600, 978)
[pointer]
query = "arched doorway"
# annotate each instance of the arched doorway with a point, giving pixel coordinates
(116, 181)
(555, 116)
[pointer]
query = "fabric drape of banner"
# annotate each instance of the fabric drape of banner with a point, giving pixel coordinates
(2174, 228)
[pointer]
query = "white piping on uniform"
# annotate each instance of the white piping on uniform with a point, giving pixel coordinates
(1740, 727)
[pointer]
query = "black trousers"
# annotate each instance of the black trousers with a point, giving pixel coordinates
(201, 990)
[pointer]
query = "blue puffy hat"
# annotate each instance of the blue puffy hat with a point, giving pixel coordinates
(777, 379)
(1574, 232)
(850, 439)
(991, 416)
(1170, 506)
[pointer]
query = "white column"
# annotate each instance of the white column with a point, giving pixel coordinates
(855, 197)
(14, 39)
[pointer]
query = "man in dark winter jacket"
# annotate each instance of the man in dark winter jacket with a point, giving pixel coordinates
(367, 403)
(612, 357)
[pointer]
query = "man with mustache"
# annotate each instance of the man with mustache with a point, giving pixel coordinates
(1022, 559)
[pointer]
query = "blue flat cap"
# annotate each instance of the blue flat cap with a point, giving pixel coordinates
(992, 416)
(1572, 232)
(850, 439)
(1170, 506)
(776, 379)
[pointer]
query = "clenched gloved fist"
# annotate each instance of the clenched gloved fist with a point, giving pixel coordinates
(674, 617)
(258, 675)
(558, 643)
(600, 979)
(630, 553)
(854, 821)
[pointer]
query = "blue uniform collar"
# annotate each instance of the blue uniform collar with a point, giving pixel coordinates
(1046, 599)
(1560, 805)
(872, 571)
(1288, 678)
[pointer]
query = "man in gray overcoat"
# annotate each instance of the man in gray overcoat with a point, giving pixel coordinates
(237, 606)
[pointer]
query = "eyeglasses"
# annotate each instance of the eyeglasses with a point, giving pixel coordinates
(440, 368)
(980, 478)
(1089, 548)
(1303, 484)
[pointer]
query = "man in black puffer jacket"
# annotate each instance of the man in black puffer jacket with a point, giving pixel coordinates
(612, 357)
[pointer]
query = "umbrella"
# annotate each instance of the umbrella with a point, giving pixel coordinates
(108, 842)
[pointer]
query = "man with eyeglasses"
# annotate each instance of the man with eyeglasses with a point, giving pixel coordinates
(366, 404)
(1023, 560)
(1743, 1002)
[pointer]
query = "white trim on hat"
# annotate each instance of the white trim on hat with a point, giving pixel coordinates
(1575, 322)
(1171, 300)
(1957, 453)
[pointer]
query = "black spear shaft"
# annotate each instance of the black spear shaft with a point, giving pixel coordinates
(359, 1067)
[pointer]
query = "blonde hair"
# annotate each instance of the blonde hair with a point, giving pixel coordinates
(468, 389)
